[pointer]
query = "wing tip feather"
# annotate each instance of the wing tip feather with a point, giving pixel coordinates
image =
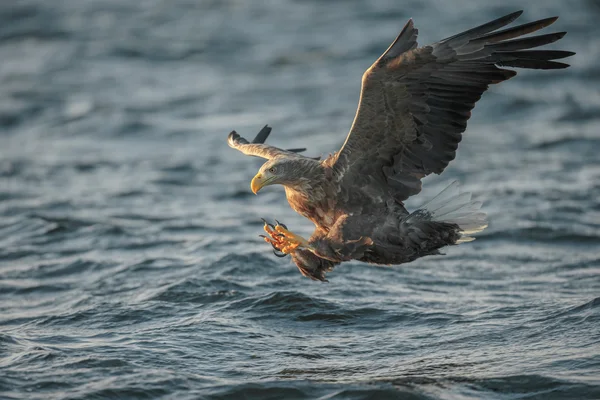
(232, 138)
(544, 22)
(263, 134)
(405, 41)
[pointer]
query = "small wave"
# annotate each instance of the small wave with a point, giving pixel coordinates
(242, 264)
(338, 317)
(544, 234)
(144, 244)
(141, 217)
(160, 53)
(286, 302)
(173, 181)
(200, 291)
(295, 389)
(152, 264)
(537, 385)
(575, 265)
(579, 115)
(186, 227)
(588, 306)
(28, 21)
(96, 363)
(130, 193)
(67, 319)
(57, 226)
(233, 195)
(565, 319)
(16, 287)
(59, 270)
(519, 104)
(589, 143)
(8, 343)
(113, 317)
(180, 168)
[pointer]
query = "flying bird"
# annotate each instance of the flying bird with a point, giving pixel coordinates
(414, 106)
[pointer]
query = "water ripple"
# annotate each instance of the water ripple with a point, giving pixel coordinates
(130, 265)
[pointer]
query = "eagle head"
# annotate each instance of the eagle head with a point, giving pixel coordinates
(283, 171)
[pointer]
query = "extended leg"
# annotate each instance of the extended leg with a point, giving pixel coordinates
(284, 242)
(331, 246)
(312, 266)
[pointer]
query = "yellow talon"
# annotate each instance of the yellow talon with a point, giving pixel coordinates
(293, 241)
(282, 239)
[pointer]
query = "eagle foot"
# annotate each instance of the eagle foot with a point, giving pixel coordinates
(283, 241)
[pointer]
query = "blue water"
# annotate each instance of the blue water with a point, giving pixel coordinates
(130, 265)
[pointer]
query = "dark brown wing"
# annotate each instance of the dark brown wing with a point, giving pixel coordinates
(415, 102)
(258, 147)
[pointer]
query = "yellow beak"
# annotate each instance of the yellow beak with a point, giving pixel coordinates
(257, 183)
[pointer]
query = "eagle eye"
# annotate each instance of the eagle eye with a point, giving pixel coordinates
(272, 170)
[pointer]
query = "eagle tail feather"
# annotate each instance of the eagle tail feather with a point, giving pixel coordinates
(452, 207)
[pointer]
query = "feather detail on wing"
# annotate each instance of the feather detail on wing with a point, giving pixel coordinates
(415, 102)
(257, 147)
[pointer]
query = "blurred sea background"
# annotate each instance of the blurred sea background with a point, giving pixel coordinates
(130, 265)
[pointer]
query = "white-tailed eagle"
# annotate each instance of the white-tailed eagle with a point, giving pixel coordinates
(414, 106)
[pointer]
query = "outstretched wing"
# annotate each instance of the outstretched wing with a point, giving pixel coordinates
(257, 147)
(415, 102)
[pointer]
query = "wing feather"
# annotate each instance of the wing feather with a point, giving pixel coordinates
(257, 147)
(415, 102)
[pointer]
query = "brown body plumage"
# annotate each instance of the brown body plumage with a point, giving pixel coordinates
(413, 109)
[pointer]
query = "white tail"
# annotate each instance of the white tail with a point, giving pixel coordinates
(457, 208)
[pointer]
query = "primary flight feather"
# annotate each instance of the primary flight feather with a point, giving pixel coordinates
(413, 108)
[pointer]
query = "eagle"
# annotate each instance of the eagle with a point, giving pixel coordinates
(413, 109)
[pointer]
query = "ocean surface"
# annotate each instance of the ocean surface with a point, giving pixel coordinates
(130, 262)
